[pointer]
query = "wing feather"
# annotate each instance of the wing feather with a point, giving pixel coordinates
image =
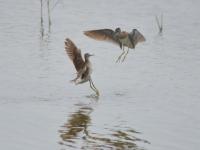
(137, 37)
(74, 54)
(103, 35)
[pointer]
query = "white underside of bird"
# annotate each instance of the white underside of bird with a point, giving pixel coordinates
(79, 79)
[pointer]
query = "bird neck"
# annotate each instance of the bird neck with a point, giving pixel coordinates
(87, 60)
(88, 64)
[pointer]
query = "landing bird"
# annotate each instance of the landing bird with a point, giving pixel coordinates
(83, 68)
(121, 38)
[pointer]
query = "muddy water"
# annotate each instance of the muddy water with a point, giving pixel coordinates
(151, 101)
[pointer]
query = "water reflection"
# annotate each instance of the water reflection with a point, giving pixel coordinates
(77, 133)
(77, 124)
(93, 97)
(120, 139)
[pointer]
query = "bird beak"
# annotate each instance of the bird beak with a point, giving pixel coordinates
(91, 55)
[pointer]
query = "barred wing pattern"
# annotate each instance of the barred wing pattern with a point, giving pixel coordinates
(74, 54)
(103, 35)
(137, 36)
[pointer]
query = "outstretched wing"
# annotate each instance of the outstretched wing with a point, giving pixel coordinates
(137, 36)
(103, 35)
(74, 54)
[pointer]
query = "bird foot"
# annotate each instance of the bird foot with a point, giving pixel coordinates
(118, 59)
(97, 93)
(73, 81)
(123, 58)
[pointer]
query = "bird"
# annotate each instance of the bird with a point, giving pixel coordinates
(121, 38)
(83, 67)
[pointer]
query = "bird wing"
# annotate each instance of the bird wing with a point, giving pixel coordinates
(103, 35)
(74, 54)
(132, 40)
(138, 37)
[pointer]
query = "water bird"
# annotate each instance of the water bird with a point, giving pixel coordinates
(83, 67)
(121, 38)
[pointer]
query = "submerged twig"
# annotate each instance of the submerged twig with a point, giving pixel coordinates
(55, 4)
(41, 18)
(49, 15)
(160, 23)
(50, 6)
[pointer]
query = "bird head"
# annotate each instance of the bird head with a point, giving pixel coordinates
(134, 30)
(117, 30)
(87, 55)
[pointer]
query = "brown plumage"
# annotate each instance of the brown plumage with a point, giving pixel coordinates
(74, 54)
(121, 38)
(103, 35)
(83, 68)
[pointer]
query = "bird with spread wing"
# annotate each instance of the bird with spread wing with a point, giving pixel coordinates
(83, 67)
(121, 38)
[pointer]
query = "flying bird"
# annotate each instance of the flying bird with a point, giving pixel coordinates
(83, 67)
(121, 38)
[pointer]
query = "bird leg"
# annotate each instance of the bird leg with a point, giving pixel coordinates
(125, 55)
(93, 87)
(118, 59)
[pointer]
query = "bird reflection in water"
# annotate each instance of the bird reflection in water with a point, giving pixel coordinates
(76, 125)
(77, 134)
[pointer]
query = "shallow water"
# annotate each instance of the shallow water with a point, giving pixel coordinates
(151, 101)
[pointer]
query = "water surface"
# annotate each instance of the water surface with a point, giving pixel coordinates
(151, 101)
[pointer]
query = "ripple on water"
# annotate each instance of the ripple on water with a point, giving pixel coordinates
(76, 133)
